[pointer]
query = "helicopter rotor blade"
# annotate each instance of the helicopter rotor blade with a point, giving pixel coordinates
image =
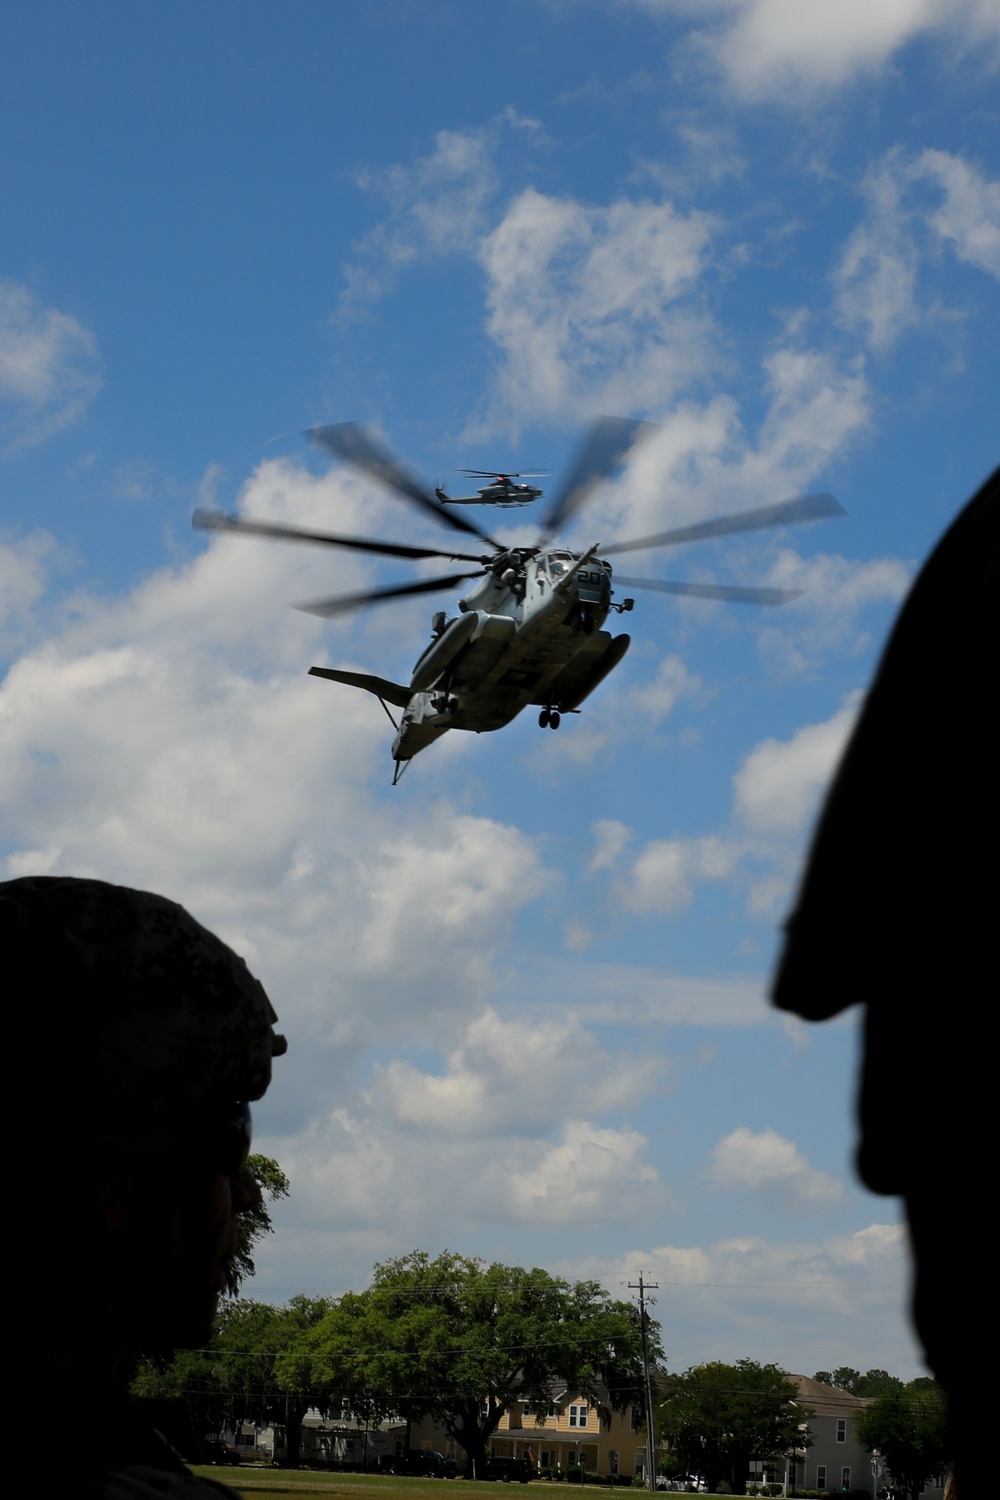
(727, 592)
(353, 444)
(342, 604)
(607, 441)
(505, 473)
(213, 520)
(805, 508)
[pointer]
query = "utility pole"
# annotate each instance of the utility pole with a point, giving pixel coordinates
(642, 1287)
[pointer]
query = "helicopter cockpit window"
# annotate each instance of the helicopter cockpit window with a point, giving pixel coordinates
(558, 566)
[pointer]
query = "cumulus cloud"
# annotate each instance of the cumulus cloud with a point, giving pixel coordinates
(790, 1301)
(437, 205)
(515, 1076)
(49, 369)
(171, 737)
(768, 1162)
(916, 203)
(348, 1169)
(780, 782)
(664, 876)
(776, 790)
(585, 305)
(775, 49)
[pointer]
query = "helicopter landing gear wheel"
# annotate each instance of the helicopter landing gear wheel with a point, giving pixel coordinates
(554, 719)
(543, 719)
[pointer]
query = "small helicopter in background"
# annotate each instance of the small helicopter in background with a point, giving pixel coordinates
(530, 632)
(500, 491)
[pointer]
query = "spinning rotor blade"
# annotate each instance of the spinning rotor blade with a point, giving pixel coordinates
(503, 473)
(806, 508)
(607, 441)
(213, 520)
(343, 603)
(352, 443)
(730, 593)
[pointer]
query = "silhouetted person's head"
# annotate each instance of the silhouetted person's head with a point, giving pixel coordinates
(142, 1041)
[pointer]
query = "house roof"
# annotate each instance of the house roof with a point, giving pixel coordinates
(828, 1400)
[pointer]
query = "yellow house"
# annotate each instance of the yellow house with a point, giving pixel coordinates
(568, 1432)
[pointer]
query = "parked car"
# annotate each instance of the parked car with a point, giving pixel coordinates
(221, 1453)
(420, 1462)
(509, 1470)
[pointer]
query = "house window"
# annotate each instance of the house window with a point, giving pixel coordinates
(546, 1460)
(821, 1476)
(578, 1416)
(636, 1419)
(845, 1478)
(841, 1429)
(526, 1409)
(613, 1461)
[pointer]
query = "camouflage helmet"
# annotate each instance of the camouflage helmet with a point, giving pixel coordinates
(139, 1019)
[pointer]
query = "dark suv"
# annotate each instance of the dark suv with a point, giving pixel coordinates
(420, 1462)
(509, 1470)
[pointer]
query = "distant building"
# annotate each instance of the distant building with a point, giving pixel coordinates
(568, 1433)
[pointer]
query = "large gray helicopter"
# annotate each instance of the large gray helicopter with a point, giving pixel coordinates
(530, 631)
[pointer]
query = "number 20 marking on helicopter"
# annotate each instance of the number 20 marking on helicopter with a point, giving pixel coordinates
(531, 631)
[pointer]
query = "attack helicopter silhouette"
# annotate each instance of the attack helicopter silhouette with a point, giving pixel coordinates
(500, 491)
(530, 631)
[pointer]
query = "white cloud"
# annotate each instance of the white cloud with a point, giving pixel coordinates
(172, 738)
(664, 876)
(769, 1162)
(352, 1168)
(590, 1174)
(654, 701)
(776, 791)
(969, 217)
(515, 1077)
(437, 206)
(796, 1303)
(25, 565)
(915, 203)
(779, 50)
(48, 366)
(780, 782)
(584, 305)
(831, 615)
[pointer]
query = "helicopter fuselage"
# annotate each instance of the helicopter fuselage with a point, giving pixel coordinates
(528, 634)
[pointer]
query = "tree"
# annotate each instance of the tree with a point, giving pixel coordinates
(908, 1427)
(245, 1373)
(719, 1418)
(256, 1222)
(873, 1383)
(459, 1340)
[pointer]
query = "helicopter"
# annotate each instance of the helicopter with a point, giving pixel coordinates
(501, 491)
(530, 631)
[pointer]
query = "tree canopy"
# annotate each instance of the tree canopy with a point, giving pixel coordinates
(255, 1222)
(459, 1340)
(872, 1383)
(908, 1428)
(243, 1374)
(719, 1418)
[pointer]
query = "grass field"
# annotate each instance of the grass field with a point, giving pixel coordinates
(298, 1484)
(278, 1484)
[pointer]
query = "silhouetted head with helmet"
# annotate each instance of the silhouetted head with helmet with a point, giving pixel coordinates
(143, 1039)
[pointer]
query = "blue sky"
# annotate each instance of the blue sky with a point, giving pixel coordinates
(525, 991)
